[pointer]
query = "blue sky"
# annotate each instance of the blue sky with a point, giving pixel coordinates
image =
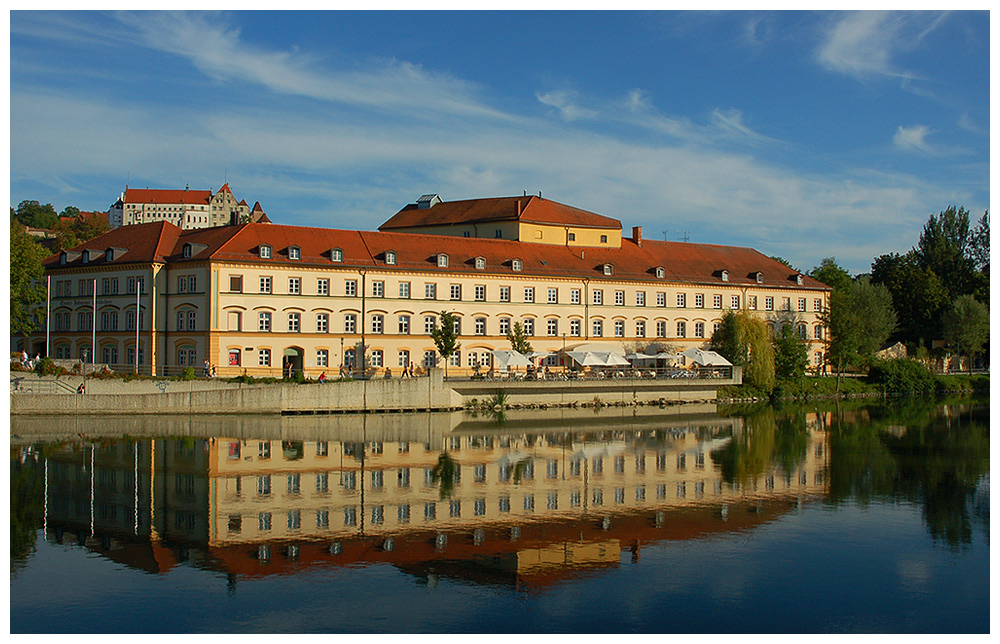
(800, 134)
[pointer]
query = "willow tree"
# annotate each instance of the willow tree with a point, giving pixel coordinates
(744, 340)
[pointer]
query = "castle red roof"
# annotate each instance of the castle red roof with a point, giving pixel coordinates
(154, 195)
(528, 209)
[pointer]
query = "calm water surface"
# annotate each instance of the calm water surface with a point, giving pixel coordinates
(830, 519)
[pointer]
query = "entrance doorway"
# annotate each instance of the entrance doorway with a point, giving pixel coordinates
(294, 357)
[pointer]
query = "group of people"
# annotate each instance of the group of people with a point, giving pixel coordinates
(28, 362)
(208, 370)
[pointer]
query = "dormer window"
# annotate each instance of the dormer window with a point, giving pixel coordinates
(660, 272)
(390, 257)
(798, 279)
(85, 256)
(294, 252)
(62, 257)
(265, 251)
(725, 276)
(186, 251)
(516, 264)
(442, 260)
(480, 263)
(109, 255)
(759, 277)
(607, 269)
(337, 255)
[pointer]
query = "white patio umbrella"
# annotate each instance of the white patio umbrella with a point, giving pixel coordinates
(706, 358)
(642, 357)
(507, 359)
(663, 355)
(535, 355)
(612, 359)
(585, 358)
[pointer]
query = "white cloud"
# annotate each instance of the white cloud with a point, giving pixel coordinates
(864, 43)
(565, 102)
(913, 138)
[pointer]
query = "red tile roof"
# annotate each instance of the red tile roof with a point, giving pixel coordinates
(147, 195)
(144, 243)
(528, 209)
(682, 262)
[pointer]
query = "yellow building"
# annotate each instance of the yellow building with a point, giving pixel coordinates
(186, 208)
(256, 298)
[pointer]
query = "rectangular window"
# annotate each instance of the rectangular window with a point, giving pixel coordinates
(529, 327)
(574, 328)
(553, 296)
(661, 328)
(456, 291)
(480, 293)
(681, 300)
(235, 283)
(192, 320)
(717, 301)
(265, 285)
(640, 328)
(598, 328)
(322, 323)
(681, 329)
(529, 294)
(404, 324)
(817, 305)
(574, 296)
(768, 303)
(619, 328)
(802, 304)
(378, 289)
(734, 302)
(458, 326)
(619, 298)
(351, 288)
(182, 284)
(322, 358)
(699, 300)
(752, 302)
(264, 358)
(430, 291)
(323, 287)
(377, 321)
(376, 361)
(294, 320)
(404, 290)
(786, 304)
(403, 358)
(350, 323)
(505, 294)
(504, 326)
(699, 329)
(598, 297)
(640, 298)
(661, 299)
(263, 321)
(552, 327)
(480, 326)
(818, 332)
(430, 322)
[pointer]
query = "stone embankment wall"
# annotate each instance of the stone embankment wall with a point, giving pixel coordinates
(432, 393)
(139, 397)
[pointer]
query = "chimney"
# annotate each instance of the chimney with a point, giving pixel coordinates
(519, 208)
(637, 235)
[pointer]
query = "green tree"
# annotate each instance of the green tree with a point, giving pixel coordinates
(860, 320)
(518, 340)
(832, 274)
(27, 292)
(791, 355)
(980, 250)
(967, 326)
(946, 247)
(919, 298)
(784, 261)
(444, 473)
(31, 213)
(445, 337)
(743, 339)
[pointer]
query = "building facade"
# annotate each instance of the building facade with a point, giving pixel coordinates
(256, 298)
(186, 209)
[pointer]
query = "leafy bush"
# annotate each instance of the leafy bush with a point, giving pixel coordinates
(187, 374)
(902, 377)
(46, 367)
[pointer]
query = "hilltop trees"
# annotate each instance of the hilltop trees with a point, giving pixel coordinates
(27, 291)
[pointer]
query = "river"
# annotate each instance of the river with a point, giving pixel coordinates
(823, 518)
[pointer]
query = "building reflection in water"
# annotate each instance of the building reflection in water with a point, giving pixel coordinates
(527, 502)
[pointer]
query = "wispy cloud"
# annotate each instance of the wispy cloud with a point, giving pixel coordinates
(913, 138)
(565, 102)
(864, 44)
